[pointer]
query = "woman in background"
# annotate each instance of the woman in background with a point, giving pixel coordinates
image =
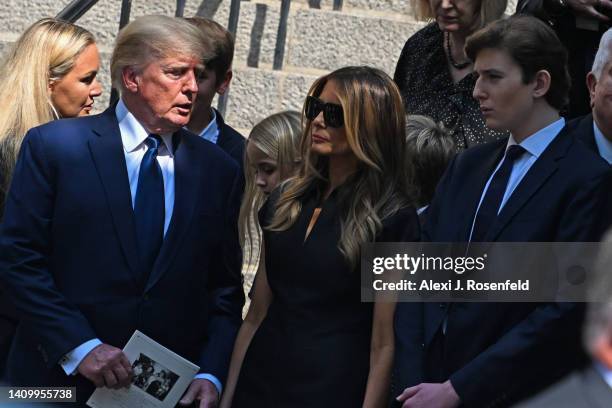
(50, 73)
(435, 76)
(272, 156)
(308, 340)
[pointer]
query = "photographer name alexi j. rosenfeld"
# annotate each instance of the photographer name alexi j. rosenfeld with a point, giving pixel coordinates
(452, 285)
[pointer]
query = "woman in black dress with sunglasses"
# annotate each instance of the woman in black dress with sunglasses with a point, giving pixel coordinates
(308, 340)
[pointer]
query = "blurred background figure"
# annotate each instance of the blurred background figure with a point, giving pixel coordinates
(579, 24)
(429, 149)
(591, 387)
(272, 156)
(49, 73)
(435, 76)
(205, 120)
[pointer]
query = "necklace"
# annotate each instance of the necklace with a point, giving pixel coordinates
(457, 65)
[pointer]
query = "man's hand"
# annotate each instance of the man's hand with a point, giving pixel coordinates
(107, 366)
(591, 8)
(202, 390)
(430, 395)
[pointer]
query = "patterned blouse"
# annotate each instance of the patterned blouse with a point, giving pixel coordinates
(427, 87)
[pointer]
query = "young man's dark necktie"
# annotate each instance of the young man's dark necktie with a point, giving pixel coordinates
(149, 209)
(487, 213)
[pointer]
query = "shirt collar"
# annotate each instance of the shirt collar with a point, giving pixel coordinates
(605, 372)
(133, 133)
(211, 131)
(604, 145)
(539, 141)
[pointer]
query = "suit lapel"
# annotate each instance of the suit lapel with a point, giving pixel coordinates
(586, 133)
(107, 152)
(595, 389)
(222, 140)
(187, 185)
(433, 317)
(537, 175)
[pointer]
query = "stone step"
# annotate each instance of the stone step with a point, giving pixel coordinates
(359, 38)
(373, 5)
(329, 40)
(396, 6)
(319, 39)
(258, 93)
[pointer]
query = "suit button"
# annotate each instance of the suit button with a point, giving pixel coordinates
(43, 352)
(442, 306)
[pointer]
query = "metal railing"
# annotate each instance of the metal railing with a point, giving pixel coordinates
(232, 27)
(124, 19)
(180, 8)
(75, 9)
(281, 36)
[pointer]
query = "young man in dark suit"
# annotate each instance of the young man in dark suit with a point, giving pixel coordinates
(205, 120)
(124, 221)
(539, 185)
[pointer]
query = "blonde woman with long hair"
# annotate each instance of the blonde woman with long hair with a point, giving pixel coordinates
(308, 340)
(272, 156)
(49, 73)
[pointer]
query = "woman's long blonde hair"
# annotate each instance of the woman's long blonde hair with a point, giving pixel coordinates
(278, 137)
(374, 122)
(44, 53)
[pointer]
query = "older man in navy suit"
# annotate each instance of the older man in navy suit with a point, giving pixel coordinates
(539, 185)
(595, 129)
(125, 221)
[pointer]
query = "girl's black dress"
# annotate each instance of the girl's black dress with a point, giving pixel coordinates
(313, 347)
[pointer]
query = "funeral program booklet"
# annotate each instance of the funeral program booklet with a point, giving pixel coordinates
(160, 377)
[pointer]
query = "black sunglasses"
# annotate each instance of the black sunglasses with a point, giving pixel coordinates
(332, 112)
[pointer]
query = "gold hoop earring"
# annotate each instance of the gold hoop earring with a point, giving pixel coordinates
(54, 112)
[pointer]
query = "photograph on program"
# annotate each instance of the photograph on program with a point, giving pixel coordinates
(152, 377)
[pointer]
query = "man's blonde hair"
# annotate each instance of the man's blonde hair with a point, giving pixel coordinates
(151, 38)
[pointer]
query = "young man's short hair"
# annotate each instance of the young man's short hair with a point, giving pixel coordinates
(533, 46)
(222, 42)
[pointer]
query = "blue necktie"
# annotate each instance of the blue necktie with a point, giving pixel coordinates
(487, 213)
(149, 209)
